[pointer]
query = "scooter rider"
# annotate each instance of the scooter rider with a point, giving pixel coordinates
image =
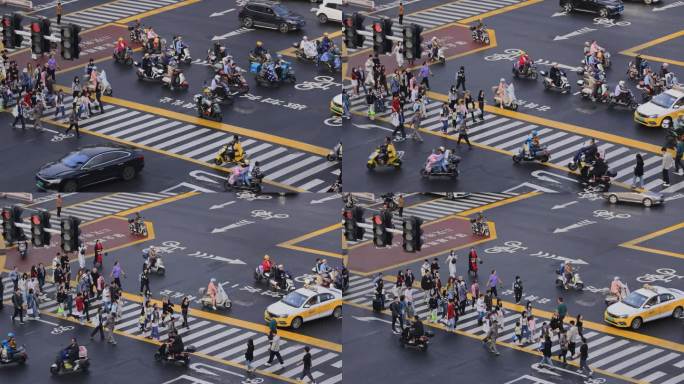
(416, 329)
(617, 288)
(212, 291)
(589, 152)
(10, 345)
(326, 43)
(178, 46)
(479, 28)
(265, 266)
(532, 144)
(598, 170)
(120, 47)
(436, 159)
(524, 62)
(622, 93)
(260, 52)
(387, 151)
(308, 48)
(69, 355)
(279, 276)
(434, 48)
(567, 274)
(147, 65)
(555, 75)
(152, 256)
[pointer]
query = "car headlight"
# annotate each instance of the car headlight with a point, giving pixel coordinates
(53, 181)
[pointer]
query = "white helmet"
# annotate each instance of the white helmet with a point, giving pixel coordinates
(305, 38)
(213, 280)
(502, 80)
(622, 83)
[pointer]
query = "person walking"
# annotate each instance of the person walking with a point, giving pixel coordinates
(274, 349)
(18, 113)
(306, 361)
(98, 96)
(573, 337)
(185, 305)
(463, 132)
(401, 13)
(396, 315)
(38, 110)
(481, 104)
(667, 163)
(444, 116)
(59, 10)
(638, 171)
(424, 75)
(73, 122)
(145, 280)
(460, 78)
(249, 353)
(584, 355)
(346, 105)
(546, 352)
(400, 204)
(397, 118)
(100, 326)
(416, 119)
(18, 303)
(116, 273)
(111, 325)
(492, 283)
(517, 289)
(59, 201)
(2, 291)
(679, 153)
(562, 309)
(14, 276)
(451, 263)
(493, 335)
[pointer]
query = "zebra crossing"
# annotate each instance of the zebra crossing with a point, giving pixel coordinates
(443, 14)
(439, 208)
(509, 134)
(639, 361)
(285, 165)
(219, 340)
(103, 14)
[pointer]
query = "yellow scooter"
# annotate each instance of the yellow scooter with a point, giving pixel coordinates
(230, 154)
(389, 157)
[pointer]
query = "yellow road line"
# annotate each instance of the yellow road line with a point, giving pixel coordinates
(292, 244)
(214, 124)
(315, 342)
(634, 244)
(157, 11)
(166, 153)
(157, 203)
(509, 345)
(657, 41)
(157, 343)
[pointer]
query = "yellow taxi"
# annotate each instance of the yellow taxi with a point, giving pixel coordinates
(336, 107)
(305, 304)
(663, 109)
(645, 304)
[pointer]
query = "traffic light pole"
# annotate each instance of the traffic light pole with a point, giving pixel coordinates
(28, 226)
(51, 38)
(370, 226)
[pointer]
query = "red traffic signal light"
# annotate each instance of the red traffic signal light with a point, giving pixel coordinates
(35, 27)
(377, 27)
(35, 219)
(377, 219)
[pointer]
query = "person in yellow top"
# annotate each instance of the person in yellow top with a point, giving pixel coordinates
(388, 151)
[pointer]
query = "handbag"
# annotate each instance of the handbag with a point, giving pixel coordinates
(395, 119)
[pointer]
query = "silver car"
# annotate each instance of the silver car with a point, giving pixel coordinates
(646, 198)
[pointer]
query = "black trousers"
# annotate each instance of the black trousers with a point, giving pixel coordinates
(75, 126)
(145, 285)
(59, 211)
(401, 19)
(19, 118)
(394, 321)
(401, 211)
(18, 311)
(272, 354)
(100, 329)
(185, 318)
(400, 128)
(518, 296)
(307, 371)
(460, 82)
(59, 18)
(464, 136)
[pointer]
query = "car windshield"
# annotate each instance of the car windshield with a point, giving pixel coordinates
(74, 159)
(294, 299)
(664, 100)
(635, 300)
(280, 10)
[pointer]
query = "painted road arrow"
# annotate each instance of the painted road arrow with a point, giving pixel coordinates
(370, 318)
(239, 224)
(560, 206)
(539, 174)
(370, 126)
(580, 224)
(219, 206)
(200, 367)
(327, 198)
(578, 32)
(539, 368)
(209, 178)
(215, 14)
(664, 7)
(559, 14)
(236, 32)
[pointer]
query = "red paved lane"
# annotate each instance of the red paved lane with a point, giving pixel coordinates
(438, 238)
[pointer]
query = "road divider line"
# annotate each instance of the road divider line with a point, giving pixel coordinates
(315, 342)
(635, 50)
(292, 244)
(634, 244)
(157, 203)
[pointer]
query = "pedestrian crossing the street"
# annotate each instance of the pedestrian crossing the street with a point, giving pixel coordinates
(509, 134)
(629, 358)
(218, 340)
(443, 14)
(439, 208)
(285, 165)
(103, 14)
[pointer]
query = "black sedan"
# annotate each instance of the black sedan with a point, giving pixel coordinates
(90, 165)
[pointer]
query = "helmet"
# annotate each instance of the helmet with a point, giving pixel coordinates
(616, 278)
(217, 77)
(535, 133)
(213, 280)
(258, 43)
(325, 34)
(502, 80)
(10, 335)
(622, 83)
(441, 148)
(665, 65)
(281, 266)
(267, 257)
(586, 44)
(305, 38)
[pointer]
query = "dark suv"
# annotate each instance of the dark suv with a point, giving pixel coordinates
(268, 14)
(604, 8)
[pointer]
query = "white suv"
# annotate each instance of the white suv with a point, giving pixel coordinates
(329, 10)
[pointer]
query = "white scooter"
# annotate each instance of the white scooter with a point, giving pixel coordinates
(564, 86)
(222, 299)
(612, 298)
(289, 284)
(158, 266)
(576, 282)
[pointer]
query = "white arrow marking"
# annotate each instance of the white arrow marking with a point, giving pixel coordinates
(229, 261)
(539, 174)
(370, 126)
(559, 14)
(544, 370)
(215, 14)
(534, 187)
(578, 32)
(200, 367)
(239, 224)
(50, 130)
(675, 197)
(541, 369)
(559, 206)
(580, 224)
(369, 318)
(219, 206)
(236, 32)
(664, 7)
(334, 196)
(197, 174)
(47, 322)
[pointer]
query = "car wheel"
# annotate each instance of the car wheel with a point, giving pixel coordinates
(603, 12)
(677, 313)
(284, 28)
(247, 22)
(613, 199)
(322, 18)
(666, 123)
(337, 312)
(567, 7)
(647, 203)
(70, 186)
(296, 323)
(636, 323)
(128, 173)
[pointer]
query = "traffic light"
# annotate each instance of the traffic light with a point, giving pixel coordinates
(352, 25)
(412, 41)
(36, 38)
(39, 222)
(7, 31)
(381, 222)
(412, 234)
(379, 38)
(387, 29)
(70, 233)
(352, 231)
(45, 31)
(70, 41)
(8, 225)
(348, 23)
